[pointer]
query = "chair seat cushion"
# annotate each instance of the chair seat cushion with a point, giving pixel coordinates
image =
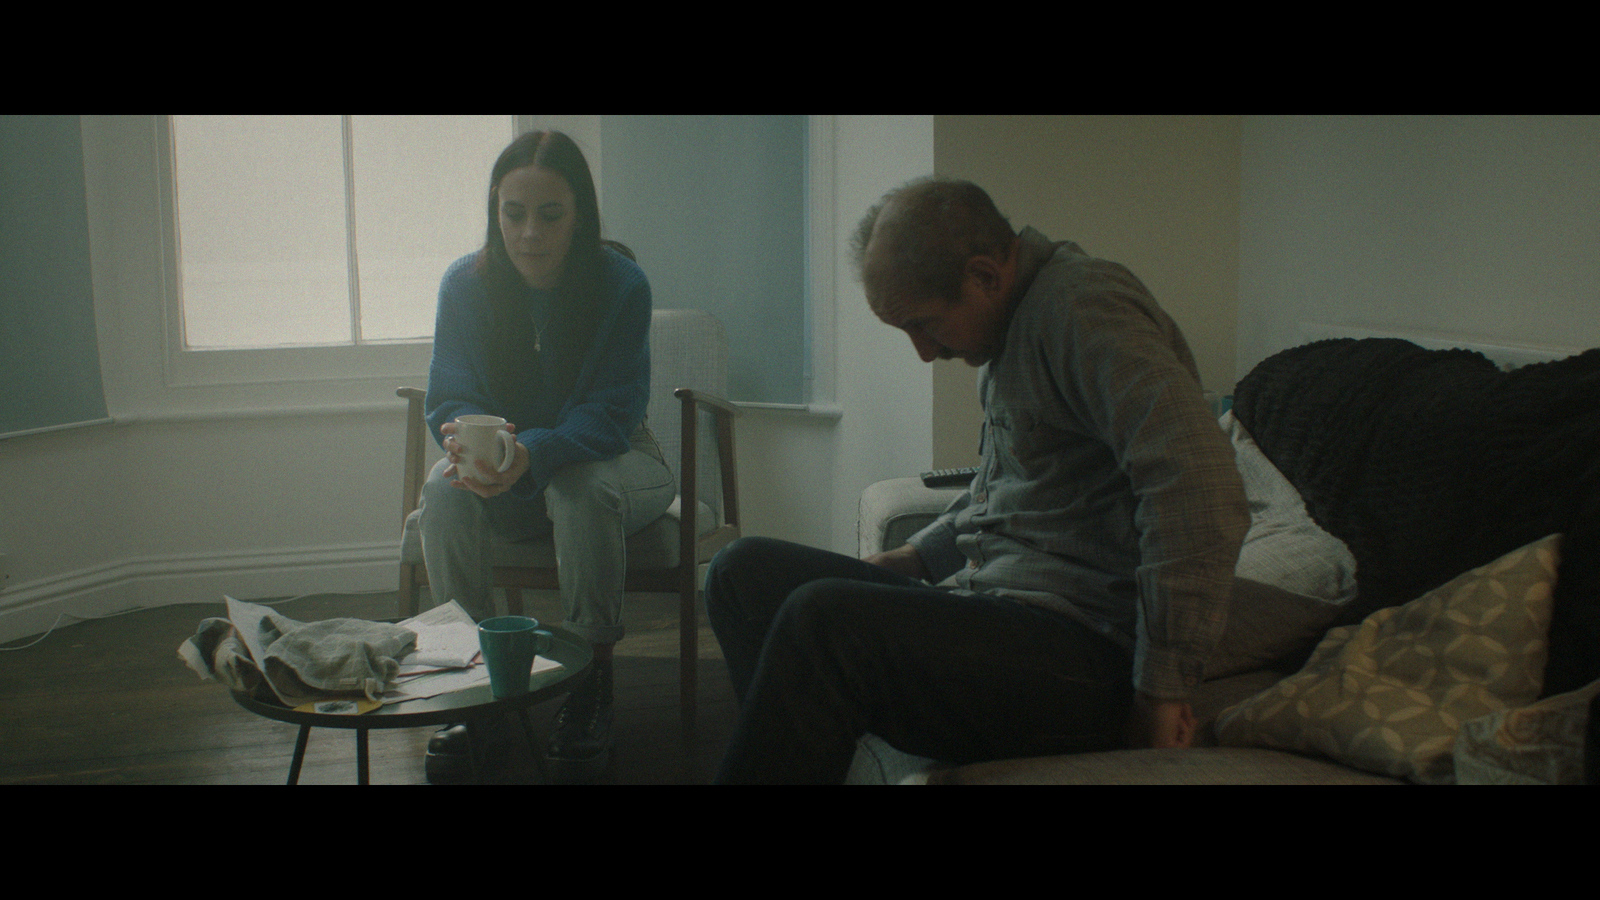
(654, 547)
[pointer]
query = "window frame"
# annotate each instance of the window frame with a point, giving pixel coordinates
(169, 380)
(188, 366)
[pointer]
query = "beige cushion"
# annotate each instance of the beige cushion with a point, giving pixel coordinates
(1266, 626)
(1538, 744)
(894, 509)
(1192, 766)
(1292, 577)
(1391, 694)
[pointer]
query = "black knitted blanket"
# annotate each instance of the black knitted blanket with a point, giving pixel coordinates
(1428, 463)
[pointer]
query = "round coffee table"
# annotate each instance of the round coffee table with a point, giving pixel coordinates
(474, 704)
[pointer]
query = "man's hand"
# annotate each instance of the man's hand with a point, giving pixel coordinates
(1160, 723)
(904, 560)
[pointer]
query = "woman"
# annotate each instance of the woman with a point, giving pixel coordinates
(546, 327)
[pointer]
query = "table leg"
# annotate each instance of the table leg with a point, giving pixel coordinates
(363, 772)
(299, 754)
(527, 732)
(476, 751)
(533, 749)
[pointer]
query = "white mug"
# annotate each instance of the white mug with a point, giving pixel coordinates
(485, 438)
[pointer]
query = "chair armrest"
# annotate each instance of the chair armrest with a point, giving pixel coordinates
(723, 413)
(709, 400)
(884, 504)
(416, 434)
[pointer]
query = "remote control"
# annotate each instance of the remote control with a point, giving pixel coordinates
(949, 477)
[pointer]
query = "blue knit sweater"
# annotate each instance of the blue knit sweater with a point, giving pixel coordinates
(569, 403)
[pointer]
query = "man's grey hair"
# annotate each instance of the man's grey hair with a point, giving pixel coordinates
(922, 234)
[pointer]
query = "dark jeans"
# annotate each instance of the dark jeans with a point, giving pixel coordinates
(823, 648)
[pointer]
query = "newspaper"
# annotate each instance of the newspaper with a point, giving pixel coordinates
(447, 638)
(447, 657)
(444, 657)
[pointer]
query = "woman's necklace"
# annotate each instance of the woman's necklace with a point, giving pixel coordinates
(538, 330)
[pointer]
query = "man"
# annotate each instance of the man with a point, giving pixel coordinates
(1069, 599)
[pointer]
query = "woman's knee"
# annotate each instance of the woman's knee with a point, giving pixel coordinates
(442, 503)
(580, 487)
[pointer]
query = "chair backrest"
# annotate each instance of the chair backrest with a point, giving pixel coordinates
(688, 349)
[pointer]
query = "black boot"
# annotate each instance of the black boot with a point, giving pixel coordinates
(580, 743)
(448, 760)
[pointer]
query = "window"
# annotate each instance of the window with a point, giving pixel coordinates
(308, 249)
(307, 231)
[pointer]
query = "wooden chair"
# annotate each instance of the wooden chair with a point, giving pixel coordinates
(693, 425)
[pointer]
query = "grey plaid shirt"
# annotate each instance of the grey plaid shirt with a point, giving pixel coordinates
(1107, 489)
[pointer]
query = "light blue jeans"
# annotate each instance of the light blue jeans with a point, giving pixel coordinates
(588, 508)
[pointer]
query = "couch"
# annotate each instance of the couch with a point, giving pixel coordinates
(1418, 598)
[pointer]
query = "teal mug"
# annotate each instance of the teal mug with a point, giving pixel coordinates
(509, 645)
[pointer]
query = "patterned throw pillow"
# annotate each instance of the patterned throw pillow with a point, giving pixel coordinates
(1538, 744)
(1391, 694)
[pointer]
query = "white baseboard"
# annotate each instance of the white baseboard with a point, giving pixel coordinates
(34, 607)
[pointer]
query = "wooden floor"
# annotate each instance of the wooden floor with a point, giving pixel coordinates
(108, 701)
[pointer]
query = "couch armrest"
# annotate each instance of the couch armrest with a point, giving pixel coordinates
(894, 509)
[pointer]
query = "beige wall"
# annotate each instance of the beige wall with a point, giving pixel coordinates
(1255, 232)
(1478, 229)
(1159, 194)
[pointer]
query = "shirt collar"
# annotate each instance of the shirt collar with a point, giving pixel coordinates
(1034, 251)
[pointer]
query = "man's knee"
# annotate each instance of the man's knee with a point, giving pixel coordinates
(749, 560)
(820, 609)
(744, 552)
(747, 554)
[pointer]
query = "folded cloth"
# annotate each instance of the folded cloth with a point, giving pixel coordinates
(302, 661)
(216, 653)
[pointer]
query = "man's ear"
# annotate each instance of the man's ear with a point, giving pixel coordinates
(987, 273)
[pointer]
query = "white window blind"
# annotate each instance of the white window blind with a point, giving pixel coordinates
(717, 209)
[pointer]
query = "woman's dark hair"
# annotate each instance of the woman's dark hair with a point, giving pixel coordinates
(577, 309)
(557, 153)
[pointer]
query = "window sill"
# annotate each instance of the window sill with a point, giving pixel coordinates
(813, 410)
(282, 365)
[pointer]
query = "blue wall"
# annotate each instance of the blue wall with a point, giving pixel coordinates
(49, 357)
